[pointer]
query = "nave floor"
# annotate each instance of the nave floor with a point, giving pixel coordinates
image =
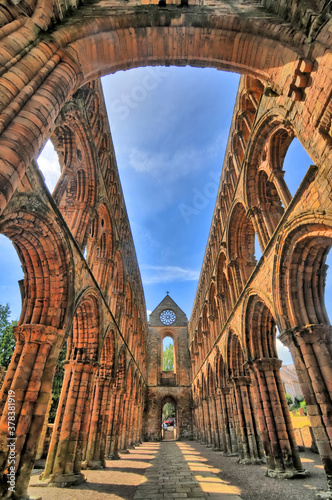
(174, 470)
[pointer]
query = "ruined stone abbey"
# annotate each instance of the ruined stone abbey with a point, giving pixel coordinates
(82, 283)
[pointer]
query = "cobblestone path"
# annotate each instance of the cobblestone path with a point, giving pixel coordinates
(179, 471)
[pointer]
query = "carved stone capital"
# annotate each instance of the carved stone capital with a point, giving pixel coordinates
(310, 334)
(225, 390)
(39, 334)
(266, 364)
(242, 380)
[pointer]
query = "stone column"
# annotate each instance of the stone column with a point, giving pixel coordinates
(94, 456)
(216, 440)
(202, 426)
(104, 420)
(233, 419)
(251, 446)
(124, 420)
(195, 422)
(283, 460)
(63, 466)
(110, 423)
(86, 420)
(133, 423)
(114, 442)
(137, 431)
(140, 424)
(277, 177)
(223, 424)
(206, 423)
(29, 384)
(41, 443)
(212, 421)
(311, 349)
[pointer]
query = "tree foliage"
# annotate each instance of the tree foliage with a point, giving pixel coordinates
(289, 399)
(303, 405)
(168, 359)
(57, 383)
(7, 339)
(168, 411)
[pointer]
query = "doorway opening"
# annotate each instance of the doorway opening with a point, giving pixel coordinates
(169, 419)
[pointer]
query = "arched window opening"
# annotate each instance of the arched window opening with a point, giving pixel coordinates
(10, 300)
(11, 290)
(258, 251)
(296, 164)
(241, 247)
(328, 286)
(283, 351)
(168, 355)
(48, 163)
(304, 261)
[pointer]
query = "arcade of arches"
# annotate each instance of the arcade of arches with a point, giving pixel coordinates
(82, 283)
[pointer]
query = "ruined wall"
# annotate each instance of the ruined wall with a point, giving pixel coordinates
(163, 386)
(239, 401)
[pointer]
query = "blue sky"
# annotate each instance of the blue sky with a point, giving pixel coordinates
(170, 128)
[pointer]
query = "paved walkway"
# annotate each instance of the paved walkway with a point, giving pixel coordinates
(179, 471)
(175, 470)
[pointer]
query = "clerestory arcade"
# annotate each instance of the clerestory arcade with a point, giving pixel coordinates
(82, 284)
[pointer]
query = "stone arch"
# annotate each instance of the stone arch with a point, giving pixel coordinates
(221, 378)
(169, 333)
(107, 357)
(84, 344)
(223, 288)
(206, 331)
(244, 412)
(117, 286)
(46, 259)
(235, 356)
(68, 440)
(100, 247)
(299, 272)
(91, 54)
(195, 352)
(129, 378)
(200, 336)
(241, 246)
(260, 330)
(267, 194)
(121, 369)
(298, 286)
(211, 382)
(213, 310)
(76, 190)
(273, 414)
(128, 300)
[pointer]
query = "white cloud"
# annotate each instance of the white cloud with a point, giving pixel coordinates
(174, 165)
(49, 165)
(167, 274)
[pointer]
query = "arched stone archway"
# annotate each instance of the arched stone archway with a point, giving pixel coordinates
(230, 39)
